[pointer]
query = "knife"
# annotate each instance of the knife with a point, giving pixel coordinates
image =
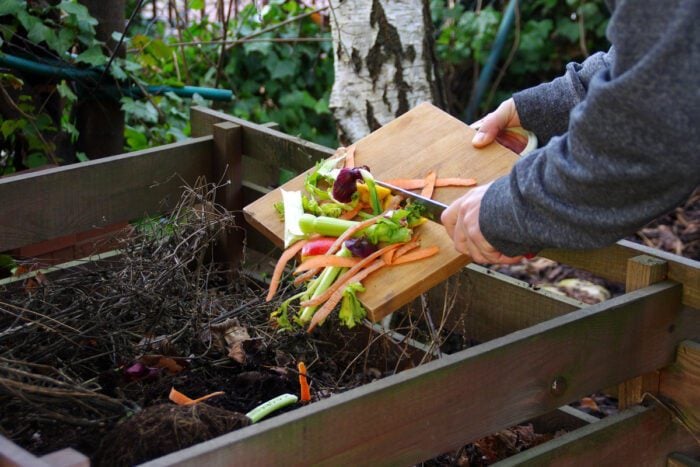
(432, 209)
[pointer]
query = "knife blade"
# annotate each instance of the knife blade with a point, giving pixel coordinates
(432, 209)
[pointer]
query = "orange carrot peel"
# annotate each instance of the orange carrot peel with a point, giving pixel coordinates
(429, 186)
(304, 389)
(322, 261)
(288, 254)
(419, 183)
(181, 399)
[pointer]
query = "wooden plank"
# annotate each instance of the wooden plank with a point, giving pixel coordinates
(67, 457)
(228, 172)
(262, 143)
(425, 138)
(74, 198)
(12, 455)
(611, 263)
(639, 436)
(488, 304)
(642, 271)
(434, 408)
(679, 384)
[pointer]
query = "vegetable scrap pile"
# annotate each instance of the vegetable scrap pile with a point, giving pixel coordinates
(345, 227)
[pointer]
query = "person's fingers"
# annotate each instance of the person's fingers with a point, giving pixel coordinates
(506, 115)
(448, 218)
(490, 126)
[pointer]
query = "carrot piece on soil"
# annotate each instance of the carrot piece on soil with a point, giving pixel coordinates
(322, 261)
(304, 389)
(345, 279)
(429, 187)
(288, 254)
(327, 307)
(181, 399)
(416, 255)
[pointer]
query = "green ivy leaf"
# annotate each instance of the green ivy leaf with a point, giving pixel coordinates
(135, 139)
(80, 12)
(81, 156)
(197, 4)
(139, 110)
(35, 159)
(11, 7)
(93, 56)
(66, 92)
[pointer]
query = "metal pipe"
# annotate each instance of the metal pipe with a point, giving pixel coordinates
(58, 70)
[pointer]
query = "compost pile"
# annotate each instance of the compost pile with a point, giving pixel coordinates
(82, 349)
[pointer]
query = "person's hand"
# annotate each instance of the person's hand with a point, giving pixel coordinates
(461, 220)
(505, 116)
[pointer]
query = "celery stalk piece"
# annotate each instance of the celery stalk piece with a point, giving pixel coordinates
(266, 408)
(372, 187)
(330, 226)
(293, 210)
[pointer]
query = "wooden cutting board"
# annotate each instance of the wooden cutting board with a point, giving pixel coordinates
(423, 139)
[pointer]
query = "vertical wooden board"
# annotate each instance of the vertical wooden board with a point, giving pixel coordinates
(642, 271)
(227, 172)
(680, 384)
(422, 139)
(43, 205)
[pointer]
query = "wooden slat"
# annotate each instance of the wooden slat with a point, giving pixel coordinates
(611, 263)
(639, 436)
(425, 411)
(48, 204)
(12, 455)
(228, 172)
(680, 384)
(488, 304)
(642, 271)
(262, 143)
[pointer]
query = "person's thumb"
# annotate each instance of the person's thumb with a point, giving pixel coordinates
(489, 128)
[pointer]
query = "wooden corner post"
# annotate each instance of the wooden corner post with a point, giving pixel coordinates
(642, 271)
(228, 171)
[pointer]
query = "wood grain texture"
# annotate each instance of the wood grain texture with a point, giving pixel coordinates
(639, 436)
(642, 271)
(680, 384)
(74, 198)
(422, 139)
(487, 304)
(227, 172)
(425, 411)
(611, 263)
(262, 143)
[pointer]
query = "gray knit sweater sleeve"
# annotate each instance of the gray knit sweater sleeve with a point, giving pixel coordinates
(628, 144)
(544, 109)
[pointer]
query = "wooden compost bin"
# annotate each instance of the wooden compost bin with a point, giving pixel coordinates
(540, 351)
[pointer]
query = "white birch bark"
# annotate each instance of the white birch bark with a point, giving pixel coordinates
(384, 63)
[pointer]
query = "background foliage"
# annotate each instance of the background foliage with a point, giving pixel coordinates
(274, 76)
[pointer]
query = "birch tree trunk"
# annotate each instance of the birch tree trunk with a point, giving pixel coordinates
(384, 63)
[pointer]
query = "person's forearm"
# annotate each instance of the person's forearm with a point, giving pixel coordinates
(631, 149)
(545, 109)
